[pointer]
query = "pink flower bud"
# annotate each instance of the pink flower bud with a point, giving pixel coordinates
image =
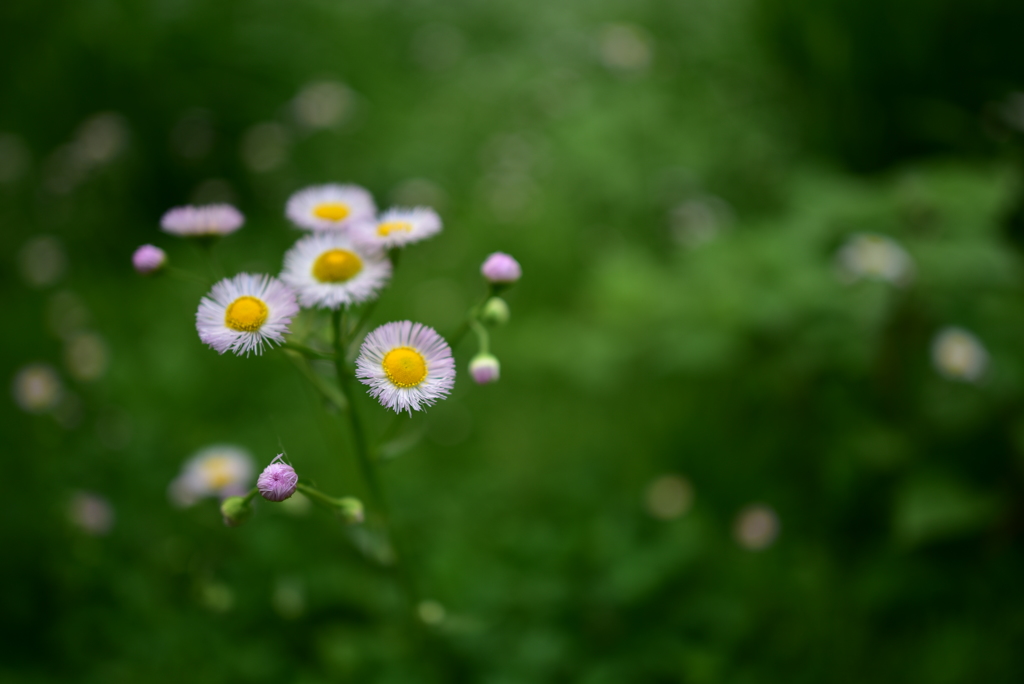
(501, 268)
(277, 481)
(484, 368)
(148, 259)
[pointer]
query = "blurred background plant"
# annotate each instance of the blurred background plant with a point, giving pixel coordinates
(730, 442)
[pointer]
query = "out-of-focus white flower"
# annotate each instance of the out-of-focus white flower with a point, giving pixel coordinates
(959, 355)
(322, 104)
(14, 158)
(265, 146)
(874, 257)
(668, 497)
(243, 313)
(330, 207)
(626, 47)
(330, 270)
(400, 227)
(100, 139)
(42, 261)
(407, 366)
(756, 527)
(91, 513)
(220, 470)
(37, 388)
(700, 220)
(85, 355)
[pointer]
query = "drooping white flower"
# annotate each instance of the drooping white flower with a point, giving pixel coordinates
(399, 227)
(330, 207)
(240, 314)
(220, 470)
(329, 270)
(959, 355)
(407, 366)
(875, 257)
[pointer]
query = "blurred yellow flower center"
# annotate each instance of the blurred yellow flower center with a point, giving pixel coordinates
(405, 367)
(217, 471)
(245, 314)
(390, 227)
(336, 266)
(331, 211)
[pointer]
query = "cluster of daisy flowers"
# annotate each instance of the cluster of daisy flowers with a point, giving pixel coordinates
(345, 260)
(957, 354)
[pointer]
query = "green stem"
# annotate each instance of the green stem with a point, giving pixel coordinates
(366, 464)
(326, 390)
(318, 496)
(482, 336)
(473, 316)
(307, 351)
(358, 433)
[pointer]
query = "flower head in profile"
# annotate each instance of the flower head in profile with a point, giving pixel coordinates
(399, 227)
(329, 270)
(240, 314)
(407, 366)
(875, 257)
(278, 480)
(959, 355)
(330, 207)
(220, 470)
(501, 269)
(202, 221)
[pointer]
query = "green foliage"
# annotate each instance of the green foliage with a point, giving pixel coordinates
(681, 313)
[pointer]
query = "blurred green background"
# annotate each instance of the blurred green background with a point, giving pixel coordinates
(710, 457)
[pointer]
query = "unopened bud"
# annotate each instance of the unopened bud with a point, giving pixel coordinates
(148, 259)
(495, 312)
(484, 368)
(277, 481)
(351, 510)
(236, 510)
(500, 268)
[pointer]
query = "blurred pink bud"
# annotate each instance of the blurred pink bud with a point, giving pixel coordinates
(148, 259)
(277, 481)
(501, 268)
(484, 368)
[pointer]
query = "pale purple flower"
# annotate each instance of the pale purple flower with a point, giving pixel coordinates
(148, 259)
(484, 368)
(205, 220)
(501, 268)
(243, 313)
(407, 365)
(91, 512)
(277, 481)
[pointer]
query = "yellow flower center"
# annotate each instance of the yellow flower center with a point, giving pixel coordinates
(331, 211)
(390, 227)
(405, 367)
(336, 266)
(246, 314)
(217, 471)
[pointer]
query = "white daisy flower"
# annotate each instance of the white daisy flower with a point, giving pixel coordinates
(407, 365)
(220, 470)
(875, 257)
(330, 207)
(399, 227)
(959, 355)
(329, 270)
(202, 221)
(243, 312)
